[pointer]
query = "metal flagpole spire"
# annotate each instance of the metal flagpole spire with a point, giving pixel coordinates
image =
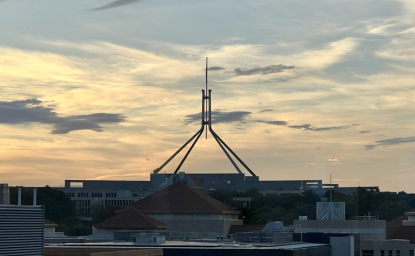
(206, 121)
(206, 117)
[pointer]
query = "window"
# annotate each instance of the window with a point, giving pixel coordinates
(82, 194)
(70, 194)
(228, 182)
(390, 253)
(382, 253)
(110, 194)
(96, 194)
(398, 252)
(367, 253)
(411, 252)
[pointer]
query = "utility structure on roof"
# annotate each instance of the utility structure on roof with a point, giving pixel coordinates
(206, 123)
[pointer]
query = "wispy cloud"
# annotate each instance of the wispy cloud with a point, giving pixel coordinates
(32, 111)
(317, 129)
(114, 4)
(262, 70)
(265, 110)
(273, 122)
(364, 131)
(390, 142)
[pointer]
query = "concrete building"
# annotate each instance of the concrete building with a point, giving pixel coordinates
(368, 229)
(370, 235)
(390, 247)
(86, 193)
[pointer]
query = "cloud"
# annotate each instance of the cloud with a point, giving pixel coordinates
(114, 4)
(265, 110)
(364, 131)
(215, 68)
(264, 71)
(317, 129)
(273, 122)
(389, 142)
(307, 127)
(219, 117)
(32, 111)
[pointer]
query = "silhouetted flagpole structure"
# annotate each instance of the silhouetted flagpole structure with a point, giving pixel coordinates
(206, 121)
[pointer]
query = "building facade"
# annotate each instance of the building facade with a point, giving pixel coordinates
(87, 193)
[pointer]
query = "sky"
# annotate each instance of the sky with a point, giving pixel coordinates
(109, 90)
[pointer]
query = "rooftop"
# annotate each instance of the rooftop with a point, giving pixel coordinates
(181, 199)
(131, 219)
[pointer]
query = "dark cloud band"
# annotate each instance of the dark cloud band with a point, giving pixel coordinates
(215, 68)
(318, 129)
(390, 142)
(220, 117)
(31, 111)
(262, 70)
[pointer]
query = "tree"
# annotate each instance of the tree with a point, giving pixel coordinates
(222, 195)
(58, 206)
(99, 213)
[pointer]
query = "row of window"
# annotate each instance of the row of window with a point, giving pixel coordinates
(82, 194)
(83, 207)
(86, 194)
(117, 202)
(382, 253)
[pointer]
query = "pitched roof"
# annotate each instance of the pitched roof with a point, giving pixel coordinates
(49, 224)
(181, 199)
(131, 219)
(395, 230)
(245, 228)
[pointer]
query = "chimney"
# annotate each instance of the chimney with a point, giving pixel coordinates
(19, 196)
(34, 196)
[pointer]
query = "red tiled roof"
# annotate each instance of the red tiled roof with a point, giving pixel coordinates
(49, 224)
(395, 230)
(245, 228)
(131, 219)
(181, 199)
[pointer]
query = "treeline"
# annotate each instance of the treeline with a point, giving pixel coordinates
(288, 207)
(59, 209)
(283, 207)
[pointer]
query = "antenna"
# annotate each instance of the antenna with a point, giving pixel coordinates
(206, 121)
(206, 117)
